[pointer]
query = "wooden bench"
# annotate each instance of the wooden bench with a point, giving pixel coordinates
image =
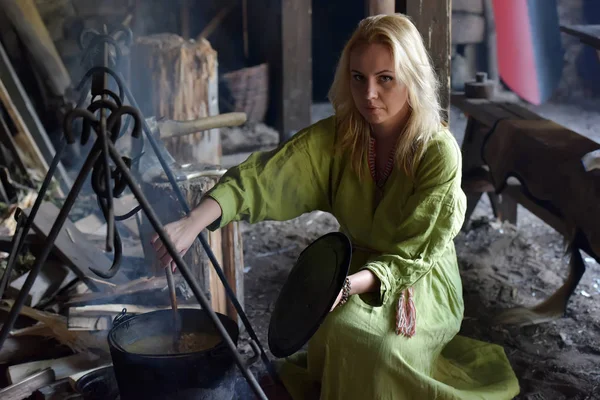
(556, 209)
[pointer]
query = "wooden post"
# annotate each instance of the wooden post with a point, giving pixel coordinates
(164, 202)
(177, 79)
(233, 263)
(433, 19)
(376, 7)
(286, 45)
(296, 66)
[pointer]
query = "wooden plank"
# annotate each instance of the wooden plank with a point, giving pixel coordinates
(61, 389)
(484, 111)
(489, 111)
(62, 367)
(519, 110)
(75, 250)
(376, 7)
(30, 152)
(26, 387)
(433, 19)
(26, 119)
(53, 277)
(588, 34)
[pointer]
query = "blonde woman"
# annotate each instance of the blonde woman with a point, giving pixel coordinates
(389, 170)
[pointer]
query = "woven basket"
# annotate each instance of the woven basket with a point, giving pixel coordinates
(248, 91)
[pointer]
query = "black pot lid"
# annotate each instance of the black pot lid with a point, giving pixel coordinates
(309, 293)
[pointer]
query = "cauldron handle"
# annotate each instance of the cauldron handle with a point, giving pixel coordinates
(122, 317)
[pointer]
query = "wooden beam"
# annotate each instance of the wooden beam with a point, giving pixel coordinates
(285, 43)
(433, 19)
(376, 7)
(296, 37)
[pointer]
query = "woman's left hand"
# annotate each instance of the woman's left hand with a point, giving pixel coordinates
(361, 282)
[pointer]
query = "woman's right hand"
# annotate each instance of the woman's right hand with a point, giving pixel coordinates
(183, 232)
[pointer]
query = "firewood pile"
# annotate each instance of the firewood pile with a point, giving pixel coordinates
(61, 328)
(61, 332)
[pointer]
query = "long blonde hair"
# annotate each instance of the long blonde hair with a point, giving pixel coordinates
(413, 68)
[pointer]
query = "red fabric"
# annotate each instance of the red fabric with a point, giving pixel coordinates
(515, 47)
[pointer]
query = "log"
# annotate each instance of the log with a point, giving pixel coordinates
(53, 277)
(24, 388)
(62, 367)
(226, 243)
(56, 390)
(177, 79)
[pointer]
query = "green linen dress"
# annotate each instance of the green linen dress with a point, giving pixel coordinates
(405, 237)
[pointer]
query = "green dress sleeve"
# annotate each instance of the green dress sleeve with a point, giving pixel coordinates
(430, 219)
(280, 184)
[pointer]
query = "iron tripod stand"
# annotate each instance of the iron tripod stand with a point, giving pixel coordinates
(108, 130)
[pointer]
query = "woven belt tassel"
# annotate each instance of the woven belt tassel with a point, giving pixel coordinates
(406, 314)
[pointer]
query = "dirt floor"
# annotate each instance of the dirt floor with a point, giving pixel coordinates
(502, 266)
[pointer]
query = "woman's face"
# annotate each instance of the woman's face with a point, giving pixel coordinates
(379, 96)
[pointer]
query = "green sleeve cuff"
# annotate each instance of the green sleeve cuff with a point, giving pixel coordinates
(385, 286)
(225, 197)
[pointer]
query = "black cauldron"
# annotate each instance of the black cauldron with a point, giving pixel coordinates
(208, 374)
